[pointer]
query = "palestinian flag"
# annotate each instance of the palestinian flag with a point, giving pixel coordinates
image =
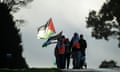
(45, 31)
(52, 40)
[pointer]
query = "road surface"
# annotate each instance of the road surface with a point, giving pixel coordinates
(90, 70)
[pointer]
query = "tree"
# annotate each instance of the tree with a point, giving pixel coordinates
(12, 4)
(10, 38)
(108, 64)
(15, 5)
(106, 22)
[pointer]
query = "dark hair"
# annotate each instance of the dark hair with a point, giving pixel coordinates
(63, 36)
(81, 35)
(75, 34)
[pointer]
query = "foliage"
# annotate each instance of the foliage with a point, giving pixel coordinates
(10, 41)
(108, 64)
(106, 22)
(15, 5)
(11, 44)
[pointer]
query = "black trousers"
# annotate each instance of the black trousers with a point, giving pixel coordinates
(67, 60)
(62, 61)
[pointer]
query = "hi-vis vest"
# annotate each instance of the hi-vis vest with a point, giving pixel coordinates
(61, 49)
(76, 44)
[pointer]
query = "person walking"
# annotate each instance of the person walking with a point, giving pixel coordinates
(76, 53)
(83, 46)
(61, 53)
(57, 56)
(67, 53)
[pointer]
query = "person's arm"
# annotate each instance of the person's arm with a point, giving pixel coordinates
(56, 51)
(85, 43)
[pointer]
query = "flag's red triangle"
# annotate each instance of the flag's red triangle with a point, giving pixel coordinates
(51, 25)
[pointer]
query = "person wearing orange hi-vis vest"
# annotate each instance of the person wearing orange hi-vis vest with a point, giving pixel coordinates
(76, 53)
(61, 53)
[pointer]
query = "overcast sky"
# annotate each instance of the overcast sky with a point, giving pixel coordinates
(69, 16)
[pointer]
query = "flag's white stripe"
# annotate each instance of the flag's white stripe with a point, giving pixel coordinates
(44, 34)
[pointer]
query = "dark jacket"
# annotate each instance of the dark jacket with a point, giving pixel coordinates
(83, 46)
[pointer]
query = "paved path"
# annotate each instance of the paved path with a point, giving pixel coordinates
(90, 70)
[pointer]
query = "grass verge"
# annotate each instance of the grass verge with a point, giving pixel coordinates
(30, 70)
